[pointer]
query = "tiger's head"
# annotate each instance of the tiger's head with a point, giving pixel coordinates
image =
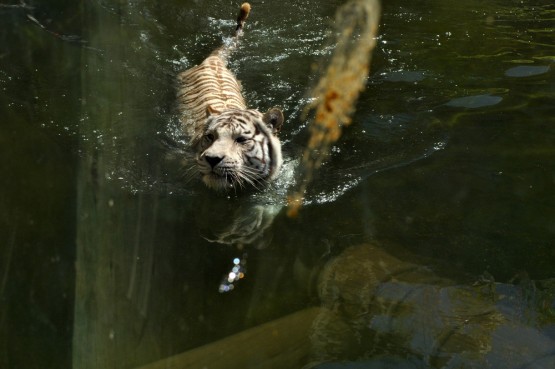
(239, 148)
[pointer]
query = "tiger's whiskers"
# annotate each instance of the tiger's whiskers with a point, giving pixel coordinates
(189, 173)
(248, 175)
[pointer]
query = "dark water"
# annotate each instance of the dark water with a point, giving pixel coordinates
(428, 235)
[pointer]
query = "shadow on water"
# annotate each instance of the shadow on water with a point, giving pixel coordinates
(427, 239)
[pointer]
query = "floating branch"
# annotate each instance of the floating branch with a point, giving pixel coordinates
(336, 93)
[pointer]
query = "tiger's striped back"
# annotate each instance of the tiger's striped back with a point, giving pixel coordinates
(208, 87)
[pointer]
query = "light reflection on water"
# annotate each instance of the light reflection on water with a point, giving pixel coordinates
(448, 167)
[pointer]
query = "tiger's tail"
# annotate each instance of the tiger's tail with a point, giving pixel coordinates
(242, 17)
(228, 47)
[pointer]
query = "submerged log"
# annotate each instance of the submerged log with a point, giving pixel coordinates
(282, 343)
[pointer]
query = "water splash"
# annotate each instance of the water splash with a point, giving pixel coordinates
(338, 90)
(236, 273)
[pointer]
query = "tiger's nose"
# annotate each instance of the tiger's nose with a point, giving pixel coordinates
(213, 160)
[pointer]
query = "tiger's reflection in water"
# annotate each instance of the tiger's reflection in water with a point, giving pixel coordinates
(242, 225)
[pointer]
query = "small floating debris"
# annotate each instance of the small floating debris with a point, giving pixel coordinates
(526, 70)
(474, 102)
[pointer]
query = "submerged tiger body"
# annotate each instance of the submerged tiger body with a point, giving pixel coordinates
(234, 146)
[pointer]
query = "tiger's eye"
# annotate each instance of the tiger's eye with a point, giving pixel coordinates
(241, 139)
(209, 137)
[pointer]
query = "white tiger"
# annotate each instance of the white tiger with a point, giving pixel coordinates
(234, 146)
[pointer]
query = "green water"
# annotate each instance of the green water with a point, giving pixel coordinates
(108, 259)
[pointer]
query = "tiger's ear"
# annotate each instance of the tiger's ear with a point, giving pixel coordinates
(274, 119)
(210, 110)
